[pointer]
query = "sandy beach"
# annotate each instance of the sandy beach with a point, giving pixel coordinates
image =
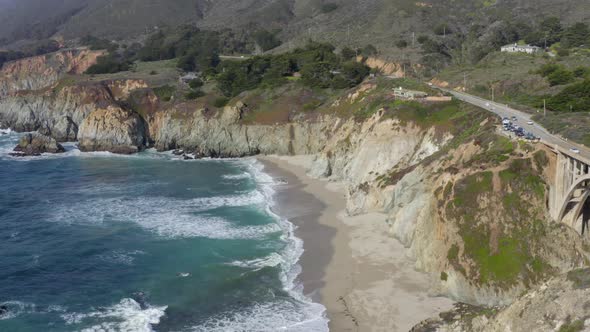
(351, 265)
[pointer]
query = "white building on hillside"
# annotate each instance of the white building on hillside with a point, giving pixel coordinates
(515, 48)
(409, 94)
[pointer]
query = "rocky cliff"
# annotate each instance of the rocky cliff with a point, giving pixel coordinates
(467, 202)
(560, 304)
(40, 72)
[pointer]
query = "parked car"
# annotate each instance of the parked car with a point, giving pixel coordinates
(514, 118)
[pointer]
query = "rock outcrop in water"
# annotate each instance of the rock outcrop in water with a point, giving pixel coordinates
(112, 129)
(35, 144)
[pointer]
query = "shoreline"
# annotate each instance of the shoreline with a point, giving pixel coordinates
(351, 265)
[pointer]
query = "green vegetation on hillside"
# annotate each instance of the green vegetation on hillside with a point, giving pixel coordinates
(499, 245)
(317, 64)
(38, 48)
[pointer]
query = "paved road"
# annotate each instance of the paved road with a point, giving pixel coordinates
(522, 119)
(234, 57)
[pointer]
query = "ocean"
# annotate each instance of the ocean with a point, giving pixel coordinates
(148, 242)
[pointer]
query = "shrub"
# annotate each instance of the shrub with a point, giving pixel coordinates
(575, 97)
(195, 83)
(108, 65)
(560, 76)
(582, 72)
(194, 94)
(547, 69)
(165, 92)
(563, 52)
(422, 39)
(220, 102)
(328, 7)
(401, 43)
(442, 29)
(369, 50)
(347, 53)
(266, 40)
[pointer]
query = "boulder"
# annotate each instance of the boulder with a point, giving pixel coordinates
(3, 309)
(35, 144)
(112, 129)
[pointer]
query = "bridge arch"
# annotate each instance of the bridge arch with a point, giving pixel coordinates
(581, 183)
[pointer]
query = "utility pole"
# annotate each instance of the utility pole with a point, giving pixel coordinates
(544, 108)
(348, 34)
(464, 81)
(493, 99)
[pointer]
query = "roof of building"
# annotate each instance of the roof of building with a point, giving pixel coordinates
(521, 46)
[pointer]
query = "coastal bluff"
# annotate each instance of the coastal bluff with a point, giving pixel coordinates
(467, 203)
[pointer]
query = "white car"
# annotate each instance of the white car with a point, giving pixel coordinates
(574, 150)
(530, 123)
(488, 104)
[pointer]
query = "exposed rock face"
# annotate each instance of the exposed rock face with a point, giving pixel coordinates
(220, 134)
(60, 112)
(112, 129)
(42, 71)
(561, 304)
(35, 144)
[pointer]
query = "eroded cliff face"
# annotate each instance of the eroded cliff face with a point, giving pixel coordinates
(40, 72)
(60, 111)
(560, 304)
(471, 207)
(220, 133)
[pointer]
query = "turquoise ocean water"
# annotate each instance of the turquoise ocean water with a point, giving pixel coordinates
(98, 242)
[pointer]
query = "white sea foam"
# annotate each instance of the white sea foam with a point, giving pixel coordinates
(297, 315)
(17, 308)
(269, 317)
(271, 260)
(168, 217)
(241, 176)
(125, 316)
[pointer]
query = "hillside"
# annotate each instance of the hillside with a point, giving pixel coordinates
(383, 23)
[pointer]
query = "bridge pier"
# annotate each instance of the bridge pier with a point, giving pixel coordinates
(571, 191)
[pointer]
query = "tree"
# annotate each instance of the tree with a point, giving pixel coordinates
(402, 43)
(347, 53)
(318, 74)
(577, 35)
(369, 51)
(354, 72)
(266, 40)
(551, 29)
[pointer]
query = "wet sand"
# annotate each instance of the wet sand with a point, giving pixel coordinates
(350, 264)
